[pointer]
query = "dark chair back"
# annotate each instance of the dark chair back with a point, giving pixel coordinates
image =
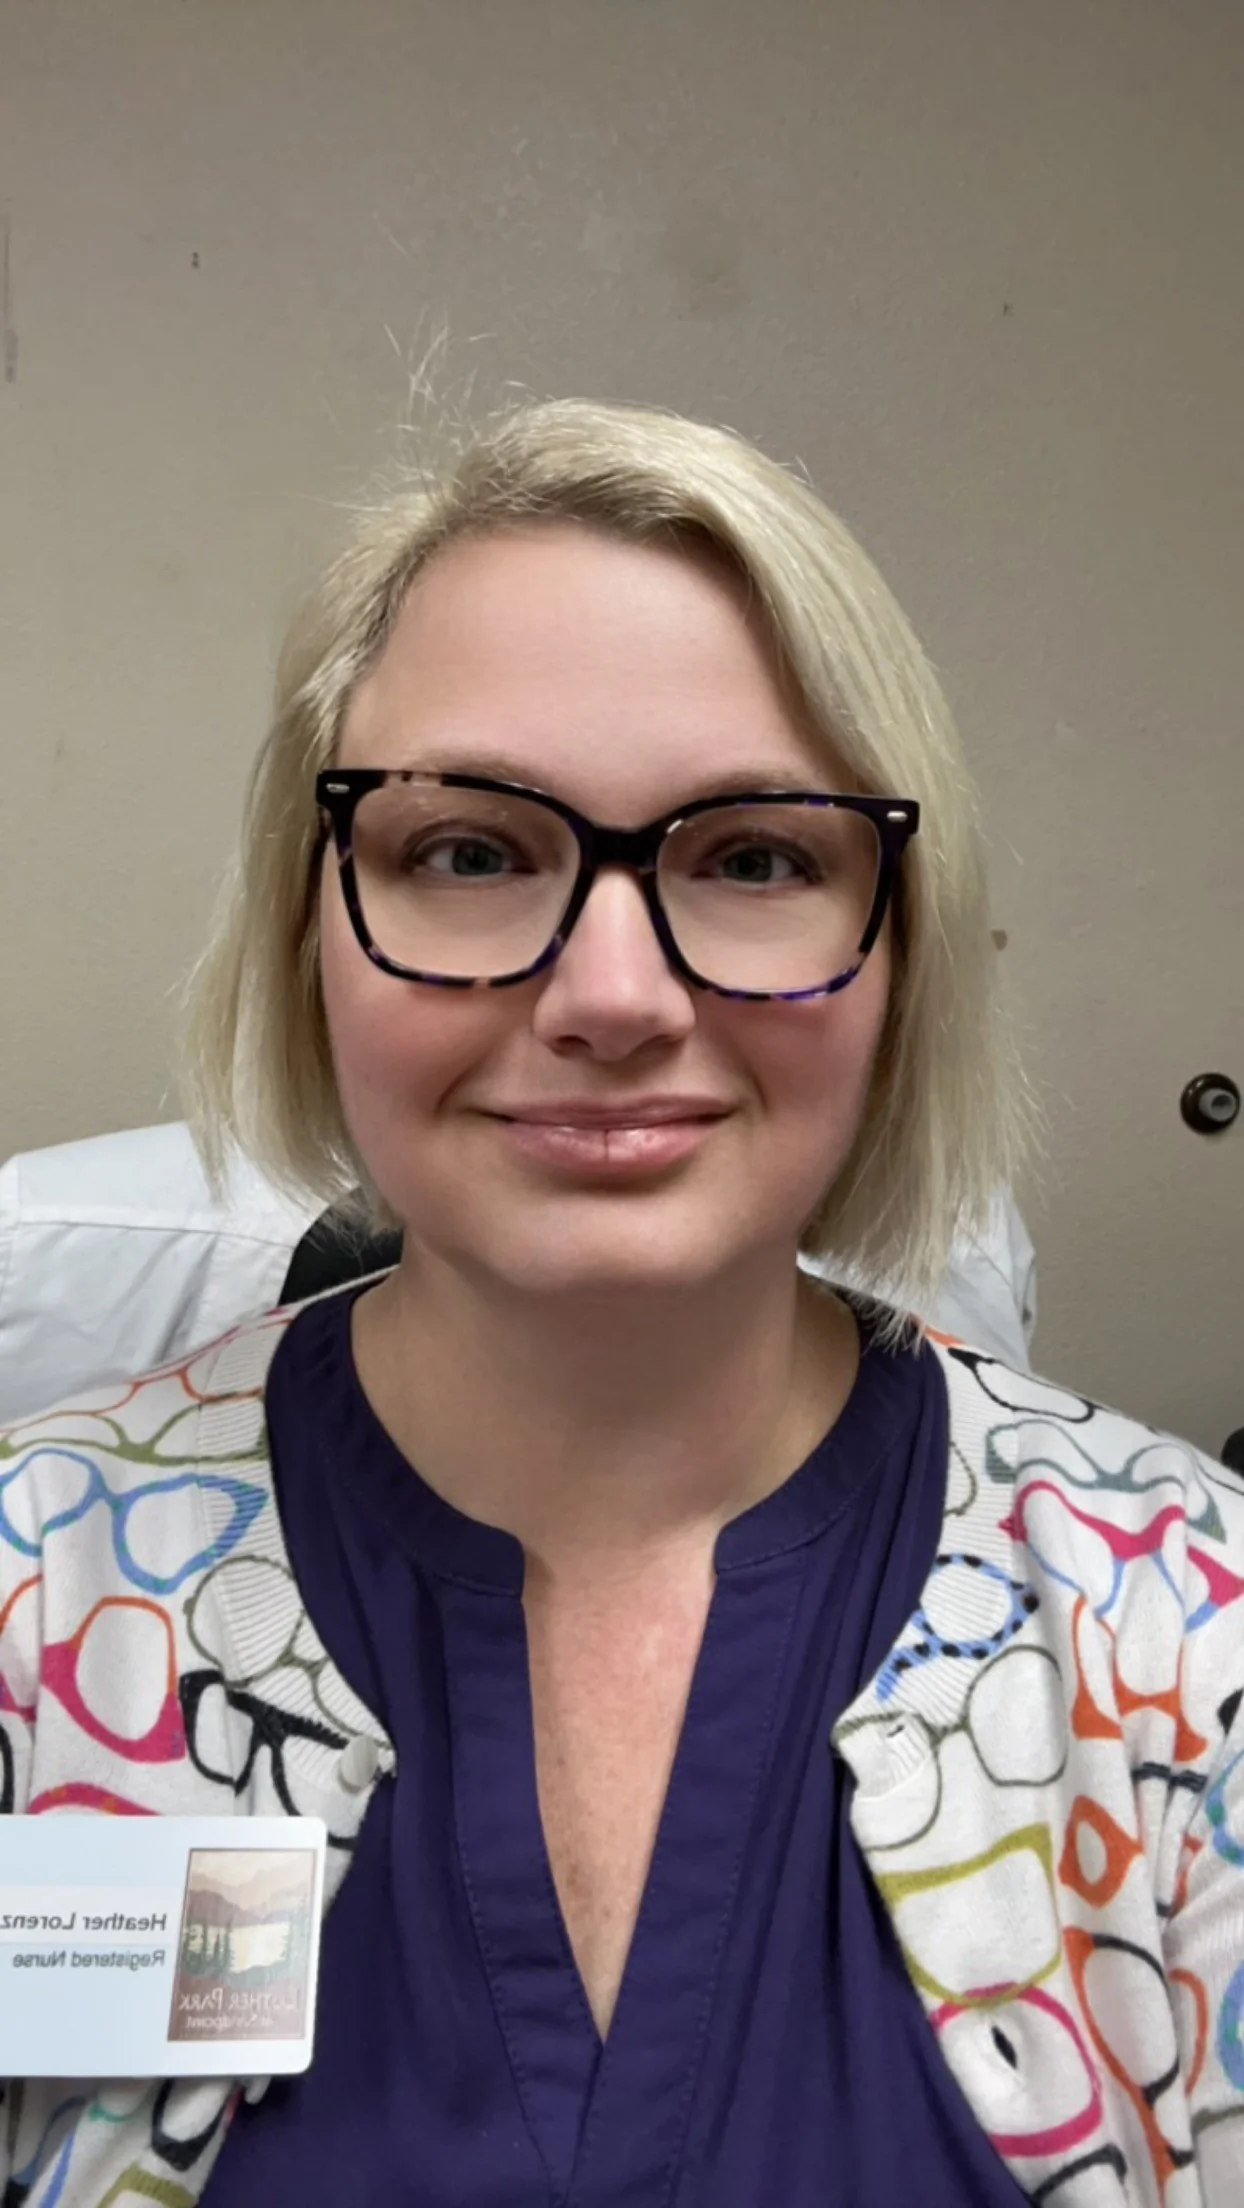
(338, 1248)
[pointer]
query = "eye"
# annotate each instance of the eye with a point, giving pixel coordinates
(464, 858)
(757, 865)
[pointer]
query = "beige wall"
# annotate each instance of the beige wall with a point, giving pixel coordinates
(976, 262)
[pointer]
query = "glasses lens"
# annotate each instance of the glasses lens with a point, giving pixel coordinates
(468, 884)
(770, 897)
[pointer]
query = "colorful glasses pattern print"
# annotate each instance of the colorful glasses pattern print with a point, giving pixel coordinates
(1080, 2006)
(1079, 2049)
(124, 1648)
(119, 1679)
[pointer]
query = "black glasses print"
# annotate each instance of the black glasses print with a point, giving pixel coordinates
(1040, 1400)
(181, 2154)
(270, 1728)
(261, 1585)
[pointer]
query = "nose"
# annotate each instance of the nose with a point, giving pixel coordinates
(612, 989)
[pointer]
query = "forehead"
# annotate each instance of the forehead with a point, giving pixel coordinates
(621, 676)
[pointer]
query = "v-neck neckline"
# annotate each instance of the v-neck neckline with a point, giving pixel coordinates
(574, 2086)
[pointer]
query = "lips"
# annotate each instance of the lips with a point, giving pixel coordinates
(597, 1117)
(608, 1149)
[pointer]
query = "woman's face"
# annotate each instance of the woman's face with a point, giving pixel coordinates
(624, 680)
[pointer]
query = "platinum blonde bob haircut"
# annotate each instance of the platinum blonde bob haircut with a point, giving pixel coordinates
(949, 1113)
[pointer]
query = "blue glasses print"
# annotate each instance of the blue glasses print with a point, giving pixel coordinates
(25, 1532)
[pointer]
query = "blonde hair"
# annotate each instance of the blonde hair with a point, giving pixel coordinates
(949, 1114)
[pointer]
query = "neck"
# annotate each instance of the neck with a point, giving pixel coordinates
(598, 1428)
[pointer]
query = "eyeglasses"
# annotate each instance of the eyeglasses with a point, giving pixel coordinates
(465, 882)
(19, 1517)
(294, 1666)
(75, 1684)
(232, 1718)
(226, 1751)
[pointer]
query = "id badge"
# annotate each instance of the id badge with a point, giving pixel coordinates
(155, 1947)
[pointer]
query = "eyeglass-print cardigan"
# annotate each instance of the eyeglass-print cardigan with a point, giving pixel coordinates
(1049, 1766)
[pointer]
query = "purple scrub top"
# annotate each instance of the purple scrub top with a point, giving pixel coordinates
(767, 2047)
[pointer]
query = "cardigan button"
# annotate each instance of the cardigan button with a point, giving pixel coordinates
(360, 1761)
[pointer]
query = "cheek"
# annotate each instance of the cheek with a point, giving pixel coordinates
(398, 1048)
(359, 1036)
(814, 1061)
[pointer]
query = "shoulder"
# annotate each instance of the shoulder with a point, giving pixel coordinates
(118, 1511)
(1125, 1539)
(1017, 1428)
(148, 1603)
(131, 1492)
(1049, 1765)
(154, 1417)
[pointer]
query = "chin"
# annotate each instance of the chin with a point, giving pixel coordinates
(562, 1254)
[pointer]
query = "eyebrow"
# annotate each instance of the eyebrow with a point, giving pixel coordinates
(498, 767)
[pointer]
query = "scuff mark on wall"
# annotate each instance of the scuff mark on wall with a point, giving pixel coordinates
(8, 324)
(702, 250)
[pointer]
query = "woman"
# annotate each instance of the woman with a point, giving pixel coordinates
(781, 1758)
